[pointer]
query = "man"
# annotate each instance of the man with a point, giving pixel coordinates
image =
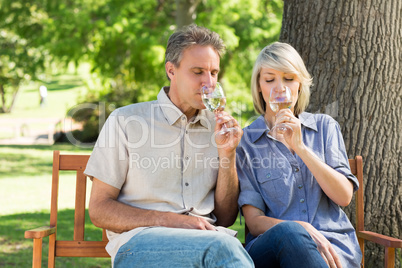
(162, 178)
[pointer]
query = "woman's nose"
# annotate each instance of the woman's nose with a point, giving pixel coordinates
(279, 87)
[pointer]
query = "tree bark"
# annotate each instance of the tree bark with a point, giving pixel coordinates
(353, 50)
(185, 12)
(3, 99)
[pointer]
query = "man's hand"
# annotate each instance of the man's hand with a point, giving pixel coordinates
(227, 141)
(324, 246)
(192, 222)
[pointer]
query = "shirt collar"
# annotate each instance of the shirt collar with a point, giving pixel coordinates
(172, 113)
(259, 127)
(308, 120)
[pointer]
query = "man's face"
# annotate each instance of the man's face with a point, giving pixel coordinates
(199, 66)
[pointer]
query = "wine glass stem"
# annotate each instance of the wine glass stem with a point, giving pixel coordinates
(224, 127)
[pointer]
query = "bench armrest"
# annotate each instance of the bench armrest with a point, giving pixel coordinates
(384, 240)
(40, 232)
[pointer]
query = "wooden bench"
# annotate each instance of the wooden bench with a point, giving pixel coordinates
(78, 247)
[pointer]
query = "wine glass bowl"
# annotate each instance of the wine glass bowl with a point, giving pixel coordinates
(214, 99)
(279, 98)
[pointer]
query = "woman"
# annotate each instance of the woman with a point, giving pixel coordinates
(292, 186)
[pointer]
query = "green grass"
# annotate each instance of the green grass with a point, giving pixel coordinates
(25, 185)
(64, 89)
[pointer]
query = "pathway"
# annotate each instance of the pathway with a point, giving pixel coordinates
(28, 131)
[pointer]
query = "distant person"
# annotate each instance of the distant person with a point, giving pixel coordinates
(163, 180)
(294, 184)
(43, 95)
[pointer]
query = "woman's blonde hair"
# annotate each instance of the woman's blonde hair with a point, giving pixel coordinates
(281, 57)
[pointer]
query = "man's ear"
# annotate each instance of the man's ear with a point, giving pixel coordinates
(170, 69)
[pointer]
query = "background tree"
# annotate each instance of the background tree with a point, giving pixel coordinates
(21, 59)
(353, 49)
(125, 43)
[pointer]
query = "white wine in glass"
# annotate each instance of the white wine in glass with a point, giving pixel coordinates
(279, 98)
(214, 104)
(214, 99)
(276, 106)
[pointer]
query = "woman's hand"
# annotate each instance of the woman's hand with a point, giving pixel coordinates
(324, 246)
(292, 136)
(334, 184)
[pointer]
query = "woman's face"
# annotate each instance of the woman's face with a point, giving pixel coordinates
(271, 78)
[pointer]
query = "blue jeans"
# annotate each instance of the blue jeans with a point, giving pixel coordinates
(171, 247)
(286, 245)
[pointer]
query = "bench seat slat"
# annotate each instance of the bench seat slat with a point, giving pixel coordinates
(81, 249)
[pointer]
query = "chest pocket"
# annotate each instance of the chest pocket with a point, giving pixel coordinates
(273, 183)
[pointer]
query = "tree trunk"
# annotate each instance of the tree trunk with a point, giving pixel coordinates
(4, 108)
(185, 12)
(3, 99)
(14, 97)
(353, 50)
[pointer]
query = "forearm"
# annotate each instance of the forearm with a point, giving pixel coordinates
(119, 217)
(227, 191)
(334, 184)
(256, 220)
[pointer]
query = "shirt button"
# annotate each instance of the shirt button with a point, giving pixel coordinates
(186, 184)
(186, 131)
(186, 157)
(183, 118)
(296, 169)
(304, 211)
(302, 200)
(300, 186)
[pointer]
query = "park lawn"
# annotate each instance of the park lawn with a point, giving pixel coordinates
(64, 89)
(25, 184)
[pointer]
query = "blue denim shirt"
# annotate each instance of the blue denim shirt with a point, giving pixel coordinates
(277, 182)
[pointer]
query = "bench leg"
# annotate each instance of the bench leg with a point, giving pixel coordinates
(37, 253)
(52, 251)
(389, 257)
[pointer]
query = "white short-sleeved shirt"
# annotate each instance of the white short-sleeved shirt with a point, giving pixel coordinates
(158, 160)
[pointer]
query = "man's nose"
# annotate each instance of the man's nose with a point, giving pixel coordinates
(208, 81)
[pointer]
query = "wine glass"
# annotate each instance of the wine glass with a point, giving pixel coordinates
(279, 98)
(214, 99)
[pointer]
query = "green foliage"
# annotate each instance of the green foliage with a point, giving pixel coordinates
(21, 57)
(129, 54)
(124, 41)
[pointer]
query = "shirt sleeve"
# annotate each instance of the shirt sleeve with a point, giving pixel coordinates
(249, 193)
(335, 152)
(109, 159)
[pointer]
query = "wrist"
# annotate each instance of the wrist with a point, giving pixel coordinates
(301, 149)
(227, 159)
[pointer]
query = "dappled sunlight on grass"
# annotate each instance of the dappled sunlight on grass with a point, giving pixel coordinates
(64, 89)
(16, 251)
(18, 160)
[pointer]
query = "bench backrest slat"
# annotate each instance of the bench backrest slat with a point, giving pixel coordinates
(78, 247)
